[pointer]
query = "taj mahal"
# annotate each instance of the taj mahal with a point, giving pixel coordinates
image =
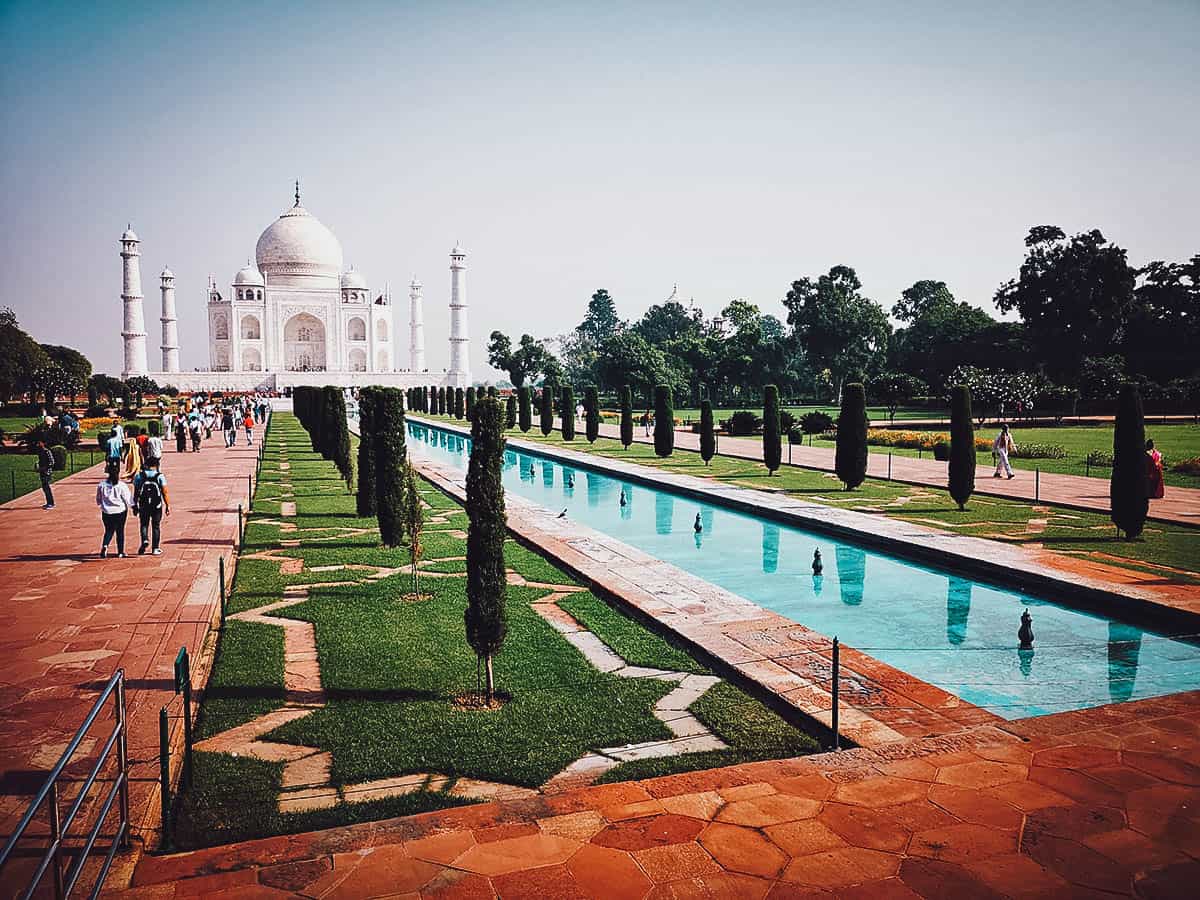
(295, 316)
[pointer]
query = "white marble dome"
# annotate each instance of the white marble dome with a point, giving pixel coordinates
(248, 274)
(298, 244)
(354, 279)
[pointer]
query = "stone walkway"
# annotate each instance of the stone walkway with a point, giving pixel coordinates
(1180, 505)
(1096, 803)
(69, 619)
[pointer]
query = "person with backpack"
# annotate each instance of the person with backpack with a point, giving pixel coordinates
(115, 501)
(229, 427)
(45, 470)
(196, 427)
(150, 500)
(181, 433)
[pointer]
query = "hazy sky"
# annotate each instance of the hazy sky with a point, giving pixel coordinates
(730, 148)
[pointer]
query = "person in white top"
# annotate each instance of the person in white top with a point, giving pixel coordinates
(115, 500)
(1002, 446)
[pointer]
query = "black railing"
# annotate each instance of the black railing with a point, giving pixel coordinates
(66, 874)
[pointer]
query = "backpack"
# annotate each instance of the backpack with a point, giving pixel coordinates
(150, 495)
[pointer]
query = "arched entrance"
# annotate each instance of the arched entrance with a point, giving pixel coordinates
(358, 360)
(304, 344)
(251, 360)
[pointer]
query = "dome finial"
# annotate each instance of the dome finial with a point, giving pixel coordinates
(297, 191)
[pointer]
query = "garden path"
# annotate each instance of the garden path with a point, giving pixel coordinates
(1180, 505)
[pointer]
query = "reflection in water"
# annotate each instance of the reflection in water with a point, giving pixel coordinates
(770, 548)
(664, 511)
(1124, 647)
(699, 538)
(627, 506)
(851, 569)
(706, 518)
(568, 481)
(510, 459)
(594, 485)
(1025, 660)
(526, 465)
(958, 608)
(547, 474)
(818, 584)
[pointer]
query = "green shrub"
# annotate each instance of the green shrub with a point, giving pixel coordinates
(567, 413)
(664, 420)
(485, 617)
(742, 423)
(962, 446)
(524, 408)
(1102, 459)
(510, 412)
(626, 416)
(941, 451)
(772, 446)
(591, 407)
(1127, 487)
(547, 408)
(59, 452)
(850, 455)
(1039, 451)
(1187, 466)
(708, 440)
(816, 422)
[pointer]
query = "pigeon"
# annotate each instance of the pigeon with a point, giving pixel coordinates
(563, 514)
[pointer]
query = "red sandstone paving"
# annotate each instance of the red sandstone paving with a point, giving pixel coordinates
(855, 824)
(68, 619)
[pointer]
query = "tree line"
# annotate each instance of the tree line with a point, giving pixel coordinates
(1088, 323)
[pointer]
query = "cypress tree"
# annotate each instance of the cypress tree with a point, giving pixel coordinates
(493, 392)
(664, 420)
(316, 418)
(567, 407)
(1128, 496)
(850, 459)
(626, 416)
(524, 408)
(486, 581)
(364, 499)
(708, 438)
(460, 403)
(390, 457)
(591, 411)
(470, 407)
(510, 412)
(772, 445)
(441, 401)
(962, 446)
(338, 436)
(330, 396)
(547, 411)
(414, 524)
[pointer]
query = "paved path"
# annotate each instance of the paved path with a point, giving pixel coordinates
(1180, 505)
(1094, 803)
(68, 619)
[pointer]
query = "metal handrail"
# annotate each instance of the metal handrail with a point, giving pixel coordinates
(64, 882)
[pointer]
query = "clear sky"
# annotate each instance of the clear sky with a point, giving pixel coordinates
(730, 148)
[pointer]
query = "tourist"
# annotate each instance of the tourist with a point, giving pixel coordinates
(1002, 447)
(48, 417)
(152, 451)
(228, 427)
(45, 470)
(115, 501)
(248, 423)
(196, 428)
(167, 421)
(150, 499)
(180, 433)
(1154, 472)
(646, 422)
(133, 460)
(113, 448)
(119, 429)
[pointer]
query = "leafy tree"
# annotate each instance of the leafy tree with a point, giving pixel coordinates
(850, 457)
(962, 446)
(414, 523)
(567, 412)
(74, 363)
(1128, 498)
(919, 300)
(1101, 377)
(591, 412)
(364, 500)
(20, 356)
(664, 421)
(627, 358)
(486, 581)
(816, 422)
(772, 442)
(470, 402)
(510, 412)
(547, 409)
(839, 329)
(524, 412)
(460, 403)
(708, 438)
(601, 319)
(1163, 329)
(53, 381)
(1074, 296)
(111, 388)
(390, 457)
(668, 322)
(999, 392)
(893, 389)
(527, 361)
(626, 416)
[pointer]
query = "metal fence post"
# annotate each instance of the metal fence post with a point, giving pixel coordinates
(836, 665)
(221, 583)
(164, 776)
(240, 533)
(249, 488)
(1037, 484)
(186, 776)
(889, 467)
(13, 477)
(56, 837)
(123, 757)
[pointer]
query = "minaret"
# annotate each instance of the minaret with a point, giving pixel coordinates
(134, 331)
(416, 327)
(460, 365)
(170, 330)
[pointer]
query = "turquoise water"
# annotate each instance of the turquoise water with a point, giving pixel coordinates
(949, 630)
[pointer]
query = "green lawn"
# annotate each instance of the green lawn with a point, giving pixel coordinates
(876, 414)
(1067, 531)
(1175, 441)
(393, 668)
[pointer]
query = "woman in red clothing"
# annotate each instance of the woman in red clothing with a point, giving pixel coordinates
(1154, 472)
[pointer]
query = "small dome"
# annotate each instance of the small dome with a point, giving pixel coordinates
(167, 273)
(353, 279)
(248, 274)
(129, 235)
(297, 244)
(458, 250)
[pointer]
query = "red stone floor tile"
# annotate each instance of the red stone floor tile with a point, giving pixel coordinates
(675, 861)
(860, 826)
(608, 873)
(935, 878)
(842, 868)
(723, 886)
(650, 831)
(742, 850)
(548, 881)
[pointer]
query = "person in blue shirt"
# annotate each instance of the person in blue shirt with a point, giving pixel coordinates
(150, 501)
(113, 447)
